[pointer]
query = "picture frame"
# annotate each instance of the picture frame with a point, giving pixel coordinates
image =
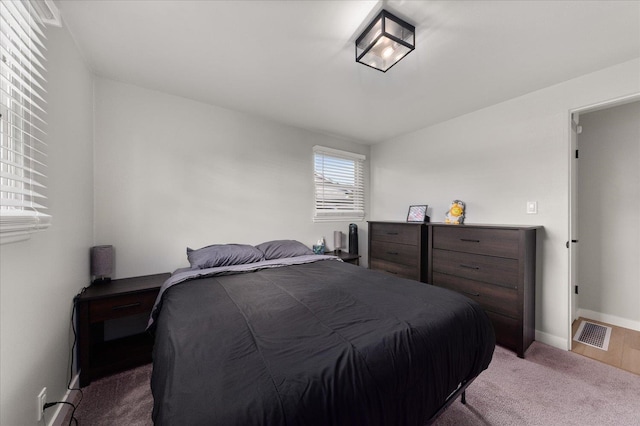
(417, 213)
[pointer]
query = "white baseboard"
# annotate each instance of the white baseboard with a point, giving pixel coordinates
(609, 319)
(62, 409)
(552, 340)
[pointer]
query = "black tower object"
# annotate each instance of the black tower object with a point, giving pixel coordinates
(353, 238)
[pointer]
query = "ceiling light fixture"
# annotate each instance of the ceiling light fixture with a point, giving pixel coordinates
(385, 41)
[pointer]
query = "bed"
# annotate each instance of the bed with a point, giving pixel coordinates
(310, 340)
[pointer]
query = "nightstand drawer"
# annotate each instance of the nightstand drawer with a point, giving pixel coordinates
(490, 242)
(494, 270)
(395, 233)
(121, 306)
(494, 298)
(397, 253)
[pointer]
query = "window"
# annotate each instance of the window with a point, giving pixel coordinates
(339, 184)
(22, 149)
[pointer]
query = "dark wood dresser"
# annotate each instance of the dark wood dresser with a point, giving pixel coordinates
(399, 248)
(494, 265)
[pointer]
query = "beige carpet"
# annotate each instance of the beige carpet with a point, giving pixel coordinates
(122, 399)
(548, 387)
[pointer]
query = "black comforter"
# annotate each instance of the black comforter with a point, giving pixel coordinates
(324, 343)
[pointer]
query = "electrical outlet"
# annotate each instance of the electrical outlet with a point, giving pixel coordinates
(42, 399)
(532, 207)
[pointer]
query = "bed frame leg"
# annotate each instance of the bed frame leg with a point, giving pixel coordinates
(463, 398)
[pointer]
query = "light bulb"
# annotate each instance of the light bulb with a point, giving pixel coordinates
(387, 52)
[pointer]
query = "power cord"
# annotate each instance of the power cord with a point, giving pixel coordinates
(72, 357)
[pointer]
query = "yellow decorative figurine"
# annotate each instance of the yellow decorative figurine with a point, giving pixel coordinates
(455, 215)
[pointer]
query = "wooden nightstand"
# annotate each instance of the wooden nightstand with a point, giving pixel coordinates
(110, 301)
(345, 256)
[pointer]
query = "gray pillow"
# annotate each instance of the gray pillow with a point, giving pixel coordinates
(217, 255)
(279, 249)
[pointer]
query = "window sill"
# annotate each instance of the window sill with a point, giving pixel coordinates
(19, 227)
(339, 219)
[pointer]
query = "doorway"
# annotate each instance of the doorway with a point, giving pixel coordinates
(604, 222)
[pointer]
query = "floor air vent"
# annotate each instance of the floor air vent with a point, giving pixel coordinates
(595, 335)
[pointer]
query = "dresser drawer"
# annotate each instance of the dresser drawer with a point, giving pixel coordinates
(494, 270)
(121, 306)
(494, 298)
(490, 242)
(395, 233)
(397, 269)
(508, 330)
(397, 253)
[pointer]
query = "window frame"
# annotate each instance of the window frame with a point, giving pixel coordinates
(326, 208)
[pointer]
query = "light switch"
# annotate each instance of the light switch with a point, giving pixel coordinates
(532, 207)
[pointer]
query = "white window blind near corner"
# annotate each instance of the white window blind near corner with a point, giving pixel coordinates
(22, 109)
(339, 185)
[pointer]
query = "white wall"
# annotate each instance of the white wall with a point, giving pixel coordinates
(172, 173)
(39, 277)
(609, 214)
(495, 160)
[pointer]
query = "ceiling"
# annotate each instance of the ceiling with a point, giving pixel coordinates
(294, 61)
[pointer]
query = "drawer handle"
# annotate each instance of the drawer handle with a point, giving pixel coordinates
(471, 294)
(392, 233)
(130, 305)
(467, 240)
(391, 272)
(392, 252)
(470, 267)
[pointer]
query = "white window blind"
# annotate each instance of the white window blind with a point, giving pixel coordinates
(22, 109)
(339, 184)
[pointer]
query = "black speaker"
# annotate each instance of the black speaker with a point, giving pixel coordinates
(353, 238)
